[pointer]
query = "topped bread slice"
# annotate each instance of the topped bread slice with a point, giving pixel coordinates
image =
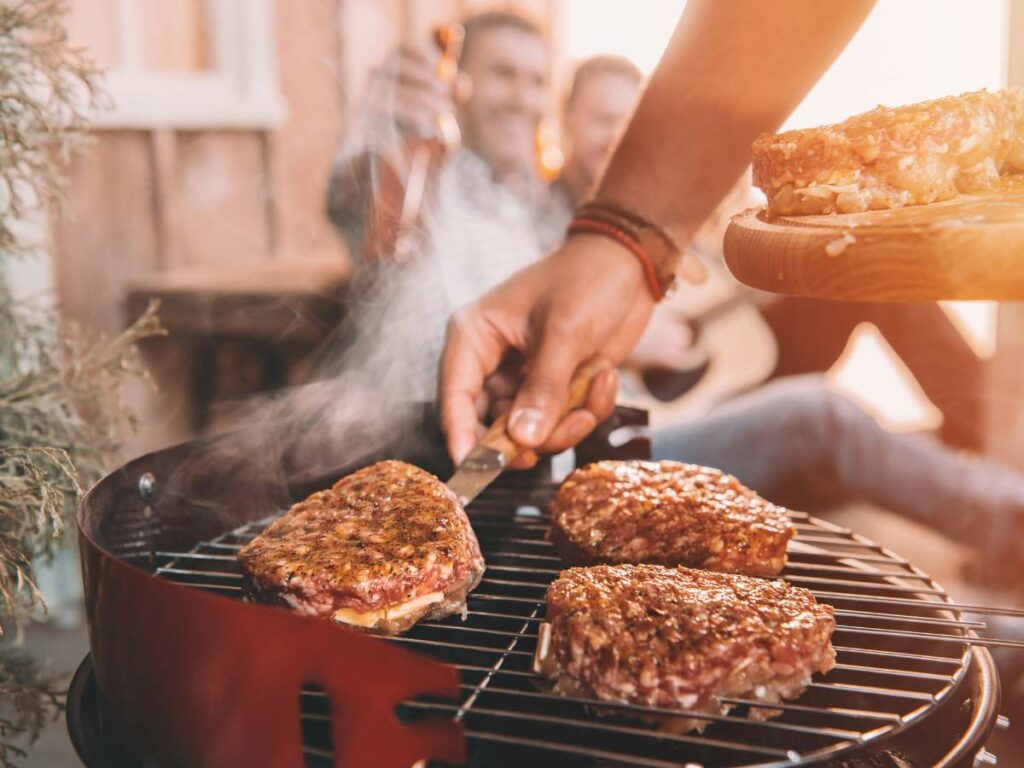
(892, 158)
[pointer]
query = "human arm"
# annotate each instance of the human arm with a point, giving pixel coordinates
(732, 71)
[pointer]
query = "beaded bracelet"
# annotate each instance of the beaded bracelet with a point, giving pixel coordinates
(657, 253)
(583, 225)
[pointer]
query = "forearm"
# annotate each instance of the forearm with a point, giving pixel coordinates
(733, 70)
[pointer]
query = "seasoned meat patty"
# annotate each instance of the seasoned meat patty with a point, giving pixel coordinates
(678, 638)
(383, 548)
(667, 513)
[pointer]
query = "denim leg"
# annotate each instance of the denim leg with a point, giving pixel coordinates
(798, 432)
(773, 433)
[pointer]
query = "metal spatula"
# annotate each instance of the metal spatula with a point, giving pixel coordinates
(496, 450)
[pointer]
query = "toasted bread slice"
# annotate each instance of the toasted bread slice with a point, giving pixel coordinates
(891, 158)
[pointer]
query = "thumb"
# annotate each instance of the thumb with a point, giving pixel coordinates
(545, 389)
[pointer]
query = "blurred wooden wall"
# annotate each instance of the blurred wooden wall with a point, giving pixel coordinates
(149, 200)
(154, 199)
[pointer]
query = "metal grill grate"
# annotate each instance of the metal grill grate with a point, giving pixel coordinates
(902, 647)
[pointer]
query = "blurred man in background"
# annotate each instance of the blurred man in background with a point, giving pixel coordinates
(499, 97)
(488, 213)
(485, 213)
(598, 103)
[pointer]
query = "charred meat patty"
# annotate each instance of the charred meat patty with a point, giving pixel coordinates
(670, 514)
(679, 638)
(380, 550)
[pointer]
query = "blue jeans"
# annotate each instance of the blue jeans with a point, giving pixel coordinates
(799, 443)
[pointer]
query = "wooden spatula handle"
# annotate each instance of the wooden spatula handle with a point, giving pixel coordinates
(497, 436)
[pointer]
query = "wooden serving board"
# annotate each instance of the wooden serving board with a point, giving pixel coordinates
(971, 247)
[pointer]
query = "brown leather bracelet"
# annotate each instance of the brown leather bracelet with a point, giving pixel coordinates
(584, 225)
(658, 246)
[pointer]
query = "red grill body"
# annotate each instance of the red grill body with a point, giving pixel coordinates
(183, 673)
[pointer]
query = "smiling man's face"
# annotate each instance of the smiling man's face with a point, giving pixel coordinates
(507, 69)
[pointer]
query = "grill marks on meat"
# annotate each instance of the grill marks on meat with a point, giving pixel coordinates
(678, 638)
(381, 549)
(667, 513)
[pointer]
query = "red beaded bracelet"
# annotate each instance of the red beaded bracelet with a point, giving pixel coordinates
(625, 238)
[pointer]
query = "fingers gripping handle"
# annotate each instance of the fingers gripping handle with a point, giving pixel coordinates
(497, 436)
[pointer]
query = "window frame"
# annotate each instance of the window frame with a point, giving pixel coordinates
(241, 91)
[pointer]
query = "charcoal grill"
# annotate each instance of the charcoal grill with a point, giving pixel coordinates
(914, 684)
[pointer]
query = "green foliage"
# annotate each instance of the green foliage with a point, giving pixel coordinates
(60, 416)
(61, 409)
(32, 701)
(50, 378)
(47, 90)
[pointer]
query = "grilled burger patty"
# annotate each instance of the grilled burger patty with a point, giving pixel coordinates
(667, 513)
(383, 548)
(678, 638)
(891, 158)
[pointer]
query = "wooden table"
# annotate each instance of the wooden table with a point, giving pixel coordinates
(274, 313)
(970, 247)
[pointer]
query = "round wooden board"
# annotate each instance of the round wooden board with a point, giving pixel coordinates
(971, 247)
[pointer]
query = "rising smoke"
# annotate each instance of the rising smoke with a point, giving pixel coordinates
(373, 382)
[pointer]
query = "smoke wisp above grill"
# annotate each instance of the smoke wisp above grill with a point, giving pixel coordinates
(370, 383)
